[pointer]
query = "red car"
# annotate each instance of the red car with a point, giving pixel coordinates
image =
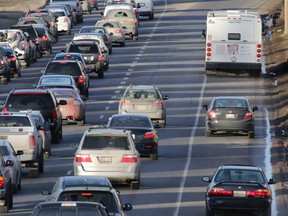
(74, 110)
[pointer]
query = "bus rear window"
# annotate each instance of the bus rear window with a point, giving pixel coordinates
(234, 36)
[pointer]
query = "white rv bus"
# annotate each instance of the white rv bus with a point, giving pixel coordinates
(233, 41)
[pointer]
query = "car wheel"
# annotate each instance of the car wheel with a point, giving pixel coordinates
(208, 133)
(50, 50)
(81, 123)
(151, 16)
(135, 185)
(110, 51)
(135, 37)
(15, 186)
(68, 32)
(251, 134)
(8, 76)
(16, 75)
(56, 137)
(10, 204)
(41, 162)
(209, 212)
(61, 132)
(19, 183)
(122, 44)
(33, 172)
(101, 74)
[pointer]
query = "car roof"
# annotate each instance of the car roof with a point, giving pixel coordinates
(57, 75)
(89, 42)
(105, 131)
(230, 97)
(142, 87)
(30, 91)
(130, 114)
(85, 181)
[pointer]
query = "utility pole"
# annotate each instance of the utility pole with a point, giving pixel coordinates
(286, 17)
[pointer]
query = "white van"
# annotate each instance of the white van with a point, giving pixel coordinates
(146, 8)
(116, 6)
(233, 41)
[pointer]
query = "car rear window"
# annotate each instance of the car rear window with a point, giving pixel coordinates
(230, 103)
(237, 175)
(103, 197)
(97, 142)
(83, 48)
(130, 121)
(14, 121)
(141, 94)
(32, 101)
(68, 211)
(66, 68)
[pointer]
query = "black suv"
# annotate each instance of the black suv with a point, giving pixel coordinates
(6, 190)
(34, 36)
(38, 99)
(4, 65)
(91, 53)
(73, 68)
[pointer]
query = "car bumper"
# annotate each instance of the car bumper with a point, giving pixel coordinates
(223, 125)
(231, 65)
(63, 27)
(253, 204)
(146, 148)
(95, 66)
(28, 156)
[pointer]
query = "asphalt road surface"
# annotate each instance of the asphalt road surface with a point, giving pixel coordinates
(169, 54)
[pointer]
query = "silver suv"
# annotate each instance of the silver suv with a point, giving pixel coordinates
(144, 99)
(110, 153)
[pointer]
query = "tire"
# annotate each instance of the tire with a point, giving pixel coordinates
(68, 32)
(81, 123)
(41, 162)
(110, 51)
(4, 209)
(135, 185)
(33, 173)
(135, 37)
(101, 74)
(154, 156)
(46, 155)
(16, 186)
(208, 212)
(10, 197)
(50, 50)
(8, 76)
(17, 75)
(56, 137)
(208, 133)
(151, 16)
(39, 55)
(251, 134)
(122, 44)
(19, 186)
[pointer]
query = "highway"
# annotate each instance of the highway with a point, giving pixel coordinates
(169, 54)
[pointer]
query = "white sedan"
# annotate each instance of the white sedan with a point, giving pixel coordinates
(64, 23)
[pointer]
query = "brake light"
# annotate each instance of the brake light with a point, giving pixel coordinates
(83, 158)
(157, 103)
(65, 20)
(86, 194)
(32, 142)
(133, 21)
(100, 58)
(129, 158)
(135, 11)
(77, 4)
(44, 37)
(248, 115)
(216, 191)
(258, 193)
(1, 63)
(23, 46)
(149, 135)
(125, 103)
(68, 55)
(105, 38)
(81, 80)
(118, 31)
(4, 109)
(12, 58)
(212, 114)
(28, 43)
(54, 114)
(2, 181)
(104, 17)
(208, 49)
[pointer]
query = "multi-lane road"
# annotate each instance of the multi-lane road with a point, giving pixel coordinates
(169, 54)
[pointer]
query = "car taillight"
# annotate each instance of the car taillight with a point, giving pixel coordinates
(65, 20)
(86, 194)
(104, 17)
(105, 38)
(2, 181)
(157, 103)
(248, 115)
(100, 58)
(216, 191)
(4, 109)
(258, 193)
(54, 114)
(92, 0)
(129, 158)
(2, 63)
(208, 49)
(133, 21)
(28, 43)
(77, 4)
(212, 114)
(81, 79)
(12, 58)
(32, 142)
(125, 103)
(37, 41)
(42, 132)
(135, 11)
(118, 31)
(149, 135)
(102, 49)
(23, 46)
(83, 158)
(44, 37)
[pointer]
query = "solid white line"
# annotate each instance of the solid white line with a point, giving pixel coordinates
(190, 147)
(267, 162)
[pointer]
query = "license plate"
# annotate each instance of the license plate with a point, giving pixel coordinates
(230, 116)
(239, 193)
(106, 159)
(141, 107)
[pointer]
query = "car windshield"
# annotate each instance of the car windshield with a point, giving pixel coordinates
(66, 68)
(237, 175)
(14, 121)
(104, 197)
(130, 121)
(99, 142)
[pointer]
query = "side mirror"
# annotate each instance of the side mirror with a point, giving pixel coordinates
(34, 85)
(124, 27)
(206, 179)
(272, 181)
(166, 97)
(203, 34)
(62, 102)
(74, 146)
(45, 192)
(254, 108)
(118, 97)
(157, 125)
(127, 207)
(42, 71)
(205, 107)
(20, 152)
(138, 5)
(101, 13)
(111, 33)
